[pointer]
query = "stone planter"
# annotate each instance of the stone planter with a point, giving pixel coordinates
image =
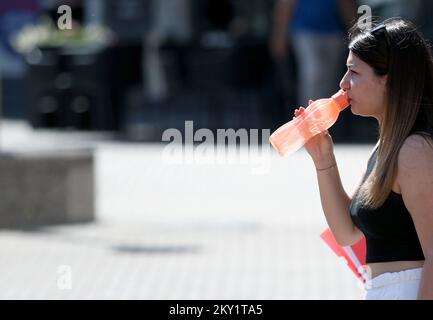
(46, 188)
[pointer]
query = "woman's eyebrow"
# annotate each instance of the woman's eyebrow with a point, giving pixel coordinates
(350, 65)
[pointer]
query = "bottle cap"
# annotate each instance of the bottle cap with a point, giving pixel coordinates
(341, 99)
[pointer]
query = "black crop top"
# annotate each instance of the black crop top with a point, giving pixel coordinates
(389, 230)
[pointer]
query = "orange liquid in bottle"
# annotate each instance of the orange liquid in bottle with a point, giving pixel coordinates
(317, 117)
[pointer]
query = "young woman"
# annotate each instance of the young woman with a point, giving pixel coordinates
(389, 77)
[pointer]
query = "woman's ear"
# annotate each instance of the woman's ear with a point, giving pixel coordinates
(383, 79)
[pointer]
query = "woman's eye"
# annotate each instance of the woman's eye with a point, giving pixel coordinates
(353, 71)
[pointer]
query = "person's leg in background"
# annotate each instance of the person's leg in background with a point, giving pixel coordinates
(319, 58)
(285, 84)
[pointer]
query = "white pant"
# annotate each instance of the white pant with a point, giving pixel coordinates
(403, 285)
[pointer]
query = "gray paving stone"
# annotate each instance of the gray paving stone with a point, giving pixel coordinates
(183, 231)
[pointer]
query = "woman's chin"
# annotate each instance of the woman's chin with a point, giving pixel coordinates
(356, 112)
(352, 109)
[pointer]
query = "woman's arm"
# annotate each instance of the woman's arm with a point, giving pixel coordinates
(281, 17)
(348, 11)
(336, 203)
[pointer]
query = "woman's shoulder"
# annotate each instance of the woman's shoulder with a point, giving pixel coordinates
(416, 152)
(417, 141)
(415, 165)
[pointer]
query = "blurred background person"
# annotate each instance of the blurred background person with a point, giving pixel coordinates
(14, 15)
(312, 30)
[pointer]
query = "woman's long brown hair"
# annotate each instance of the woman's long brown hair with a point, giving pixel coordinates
(401, 53)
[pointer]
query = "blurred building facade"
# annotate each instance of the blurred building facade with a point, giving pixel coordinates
(171, 61)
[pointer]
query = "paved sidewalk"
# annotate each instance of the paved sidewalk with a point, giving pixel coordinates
(182, 231)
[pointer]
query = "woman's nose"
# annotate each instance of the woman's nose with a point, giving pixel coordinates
(344, 83)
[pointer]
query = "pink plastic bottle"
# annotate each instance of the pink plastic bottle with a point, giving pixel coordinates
(317, 117)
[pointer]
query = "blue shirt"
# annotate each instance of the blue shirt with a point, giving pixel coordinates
(318, 16)
(14, 15)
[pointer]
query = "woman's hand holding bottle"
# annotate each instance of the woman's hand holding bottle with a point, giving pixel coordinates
(320, 147)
